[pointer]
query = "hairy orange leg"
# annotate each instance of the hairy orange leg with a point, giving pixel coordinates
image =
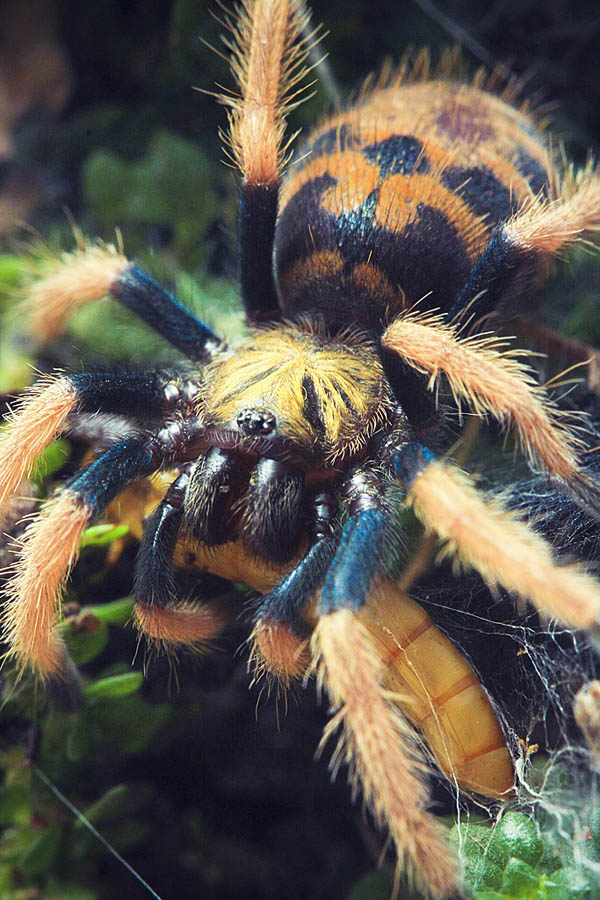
(483, 535)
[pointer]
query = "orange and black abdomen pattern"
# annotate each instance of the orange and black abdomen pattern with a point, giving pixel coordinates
(395, 199)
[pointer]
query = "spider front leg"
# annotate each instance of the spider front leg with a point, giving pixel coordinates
(51, 403)
(362, 546)
(279, 638)
(50, 546)
(269, 46)
(492, 380)
(93, 272)
(377, 742)
(163, 618)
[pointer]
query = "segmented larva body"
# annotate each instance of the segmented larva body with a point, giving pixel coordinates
(432, 682)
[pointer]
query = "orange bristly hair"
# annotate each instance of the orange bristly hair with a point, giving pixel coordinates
(547, 227)
(491, 380)
(39, 418)
(276, 652)
(380, 746)
(49, 548)
(71, 280)
(183, 624)
(268, 52)
(484, 536)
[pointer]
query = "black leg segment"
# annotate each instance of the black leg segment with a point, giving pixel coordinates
(154, 577)
(273, 519)
(257, 215)
(215, 481)
(501, 271)
(144, 394)
(144, 296)
(288, 599)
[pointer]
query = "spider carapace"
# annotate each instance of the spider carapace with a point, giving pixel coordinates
(366, 272)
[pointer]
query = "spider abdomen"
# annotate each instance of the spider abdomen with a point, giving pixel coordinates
(396, 198)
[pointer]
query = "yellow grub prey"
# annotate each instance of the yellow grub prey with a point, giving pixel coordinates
(379, 745)
(50, 546)
(70, 281)
(231, 560)
(439, 692)
(482, 535)
(40, 416)
(491, 381)
(431, 681)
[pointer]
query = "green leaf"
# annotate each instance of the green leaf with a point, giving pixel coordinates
(125, 835)
(114, 686)
(483, 874)
(490, 895)
(105, 177)
(567, 884)
(595, 826)
(101, 535)
(51, 460)
(11, 269)
(80, 738)
(519, 879)
(518, 835)
(85, 644)
(14, 803)
(67, 891)
(133, 722)
(117, 612)
(119, 801)
(42, 852)
(372, 886)
(6, 880)
(478, 842)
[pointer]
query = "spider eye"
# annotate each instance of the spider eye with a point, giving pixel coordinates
(256, 421)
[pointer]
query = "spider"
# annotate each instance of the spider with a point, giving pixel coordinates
(366, 272)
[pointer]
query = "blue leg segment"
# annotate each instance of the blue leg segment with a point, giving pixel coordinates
(356, 562)
(288, 599)
(408, 461)
(144, 296)
(100, 483)
(368, 537)
(154, 578)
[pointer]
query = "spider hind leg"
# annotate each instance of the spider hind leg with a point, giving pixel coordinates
(483, 535)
